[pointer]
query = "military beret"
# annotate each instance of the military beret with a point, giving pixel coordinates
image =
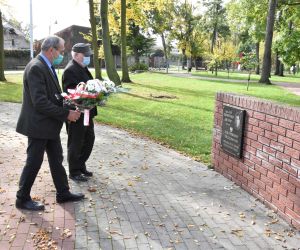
(83, 48)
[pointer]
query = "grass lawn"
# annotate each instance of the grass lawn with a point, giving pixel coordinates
(244, 76)
(174, 111)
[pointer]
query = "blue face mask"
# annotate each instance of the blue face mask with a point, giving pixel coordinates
(86, 60)
(58, 60)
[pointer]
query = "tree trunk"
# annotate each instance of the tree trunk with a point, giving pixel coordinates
(281, 69)
(257, 70)
(109, 60)
(94, 41)
(125, 74)
(165, 51)
(2, 76)
(136, 56)
(267, 61)
(183, 58)
(277, 65)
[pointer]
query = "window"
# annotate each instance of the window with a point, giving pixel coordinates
(13, 42)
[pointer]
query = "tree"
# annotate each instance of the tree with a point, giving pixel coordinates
(248, 22)
(216, 22)
(94, 40)
(267, 60)
(125, 74)
(109, 60)
(138, 42)
(2, 76)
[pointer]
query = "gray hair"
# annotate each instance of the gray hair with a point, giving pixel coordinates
(52, 41)
(74, 54)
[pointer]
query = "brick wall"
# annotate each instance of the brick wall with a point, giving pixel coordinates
(270, 166)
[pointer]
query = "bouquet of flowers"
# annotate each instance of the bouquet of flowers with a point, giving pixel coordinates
(87, 95)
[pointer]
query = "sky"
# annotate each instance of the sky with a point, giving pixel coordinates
(49, 16)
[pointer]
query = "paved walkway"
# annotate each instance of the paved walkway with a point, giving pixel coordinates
(142, 196)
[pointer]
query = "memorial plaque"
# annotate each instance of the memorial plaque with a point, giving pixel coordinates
(233, 130)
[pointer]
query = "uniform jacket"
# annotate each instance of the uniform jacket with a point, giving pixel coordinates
(74, 74)
(42, 114)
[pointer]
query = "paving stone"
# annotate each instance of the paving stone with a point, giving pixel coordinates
(175, 203)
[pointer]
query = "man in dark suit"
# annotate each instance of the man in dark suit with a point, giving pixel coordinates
(41, 119)
(80, 138)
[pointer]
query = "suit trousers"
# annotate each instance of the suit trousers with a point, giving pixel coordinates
(35, 154)
(80, 145)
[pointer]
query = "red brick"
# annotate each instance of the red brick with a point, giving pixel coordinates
(237, 170)
(296, 145)
(283, 157)
(262, 155)
(248, 176)
(276, 145)
(268, 181)
(274, 177)
(272, 119)
(232, 173)
(233, 160)
(271, 135)
(297, 209)
(265, 195)
(282, 174)
(253, 187)
(268, 166)
(261, 170)
(250, 149)
(295, 181)
(280, 189)
(286, 124)
(275, 162)
(296, 224)
(255, 159)
(279, 130)
(256, 145)
(286, 141)
(292, 169)
(255, 173)
(260, 184)
(297, 127)
(269, 151)
(242, 179)
(293, 135)
(273, 192)
(289, 186)
(249, 163)
(265, 125)
(243, 166)
(264, 140)
(295, 198)
(251, 135)
(292, 213)
(278, 204)
(292, 152)
(257, 130)
(227, 164)
(253, 121)
(260, 116)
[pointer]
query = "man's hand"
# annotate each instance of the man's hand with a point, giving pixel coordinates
(73, 115)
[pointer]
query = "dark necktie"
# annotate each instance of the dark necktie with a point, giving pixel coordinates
(54, 73)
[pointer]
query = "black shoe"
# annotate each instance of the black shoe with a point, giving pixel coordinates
(79, 177)
(65, 197)
(29, 205)
(87, 173)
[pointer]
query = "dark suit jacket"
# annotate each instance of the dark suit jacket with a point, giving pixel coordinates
(74, 74)
(42, 114)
